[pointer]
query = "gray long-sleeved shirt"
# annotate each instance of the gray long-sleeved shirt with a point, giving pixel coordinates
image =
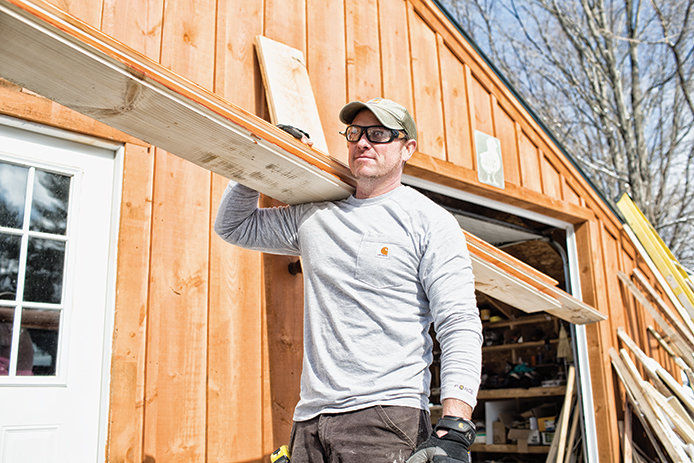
(377, 272)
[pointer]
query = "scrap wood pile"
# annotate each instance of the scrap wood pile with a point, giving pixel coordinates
(663, 406)
(565, 447)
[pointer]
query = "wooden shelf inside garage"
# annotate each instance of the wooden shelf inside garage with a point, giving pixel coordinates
(509, 448)
(518, 345)
(520, 393)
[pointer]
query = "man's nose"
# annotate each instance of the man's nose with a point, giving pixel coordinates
(363, 141)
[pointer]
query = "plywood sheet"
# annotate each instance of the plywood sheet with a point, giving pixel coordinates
(51, 53)
(289, 92)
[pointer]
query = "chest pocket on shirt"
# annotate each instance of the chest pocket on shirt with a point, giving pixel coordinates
(380, 261)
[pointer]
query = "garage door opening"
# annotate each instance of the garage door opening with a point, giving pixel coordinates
(526, 356)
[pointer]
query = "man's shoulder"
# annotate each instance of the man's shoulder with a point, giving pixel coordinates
(420, 205)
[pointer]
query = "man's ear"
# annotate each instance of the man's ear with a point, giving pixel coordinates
(409, 148)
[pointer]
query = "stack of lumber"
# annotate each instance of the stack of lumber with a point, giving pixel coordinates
(565, 446)
(663, 405)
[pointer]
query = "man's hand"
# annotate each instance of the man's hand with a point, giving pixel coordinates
(453, 445)
(297, 133)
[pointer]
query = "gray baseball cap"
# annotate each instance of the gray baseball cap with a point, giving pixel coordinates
(388, 112)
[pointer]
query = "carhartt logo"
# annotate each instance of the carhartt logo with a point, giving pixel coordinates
(384, 251)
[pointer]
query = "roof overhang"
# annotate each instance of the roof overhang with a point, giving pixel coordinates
(50, 52)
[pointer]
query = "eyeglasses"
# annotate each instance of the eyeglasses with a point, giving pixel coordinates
(374, 133)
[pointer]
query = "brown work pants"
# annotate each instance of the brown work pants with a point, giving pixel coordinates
(379, 434)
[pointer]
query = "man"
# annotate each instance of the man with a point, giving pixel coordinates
(379, 267)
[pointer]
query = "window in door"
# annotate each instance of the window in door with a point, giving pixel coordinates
(33, 242)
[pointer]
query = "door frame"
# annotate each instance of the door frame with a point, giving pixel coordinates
(110, 296)
(582, 360)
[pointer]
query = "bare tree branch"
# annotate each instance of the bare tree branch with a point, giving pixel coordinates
(612, 79)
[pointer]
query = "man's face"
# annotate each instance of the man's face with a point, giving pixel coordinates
(377, 160)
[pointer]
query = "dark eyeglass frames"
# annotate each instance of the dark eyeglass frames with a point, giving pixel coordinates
(374, 133)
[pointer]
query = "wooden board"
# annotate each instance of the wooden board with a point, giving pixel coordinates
(658, 276)
(289, 93)
(509, 280)
(59, 57)
(664, 260)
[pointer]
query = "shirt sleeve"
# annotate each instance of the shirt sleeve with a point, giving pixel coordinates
(446, 275)
(239, 221)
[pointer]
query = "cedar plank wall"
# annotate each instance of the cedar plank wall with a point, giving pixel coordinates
(207, 341)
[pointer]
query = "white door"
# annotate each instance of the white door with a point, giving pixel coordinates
(56, 204)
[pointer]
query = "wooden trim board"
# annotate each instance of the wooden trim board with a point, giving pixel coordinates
(57, 56)
(54, 54)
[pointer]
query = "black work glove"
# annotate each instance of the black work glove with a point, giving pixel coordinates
(293, 131)
(453, 447)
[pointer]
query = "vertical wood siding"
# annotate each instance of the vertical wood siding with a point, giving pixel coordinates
(235, 323)
(530, 163)
(175, 412)
(327, 68)
(455, 104)
(207, 343)
(363, 60)
(394, 35)
(505, 130)
(130, 327)
(427, 87)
